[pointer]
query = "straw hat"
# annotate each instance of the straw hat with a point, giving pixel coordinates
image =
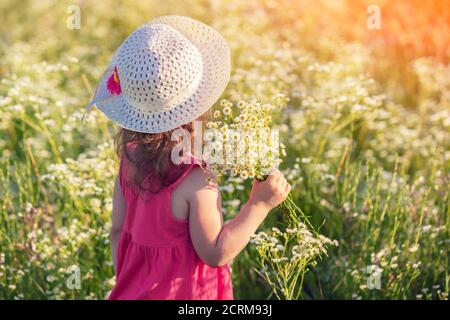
(165, 74)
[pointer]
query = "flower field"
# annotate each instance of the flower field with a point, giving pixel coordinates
(366, 132)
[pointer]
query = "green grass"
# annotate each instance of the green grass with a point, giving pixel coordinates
(366, 130)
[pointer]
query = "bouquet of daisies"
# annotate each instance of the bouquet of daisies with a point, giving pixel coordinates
(251, 146)
(240, 141)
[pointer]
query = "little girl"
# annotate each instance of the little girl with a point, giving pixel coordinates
(168, 239)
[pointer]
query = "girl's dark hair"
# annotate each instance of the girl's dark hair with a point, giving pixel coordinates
(149, 161)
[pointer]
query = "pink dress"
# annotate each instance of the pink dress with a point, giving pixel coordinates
(155, 256)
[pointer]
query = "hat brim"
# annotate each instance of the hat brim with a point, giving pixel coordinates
(215, 76)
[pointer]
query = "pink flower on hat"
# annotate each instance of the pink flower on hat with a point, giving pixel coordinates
(113, 83)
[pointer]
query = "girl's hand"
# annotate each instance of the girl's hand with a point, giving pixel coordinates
(270, 192)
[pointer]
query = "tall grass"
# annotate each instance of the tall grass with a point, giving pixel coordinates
(366, 130)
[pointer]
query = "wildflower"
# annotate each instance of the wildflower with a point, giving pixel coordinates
(244, 174)
(242, 117)
(211, 125)
(277, 248)
(223, 102)
(276, 230)
(226, 110)
(291, 230)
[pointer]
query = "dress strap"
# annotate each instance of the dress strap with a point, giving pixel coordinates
(194, 163)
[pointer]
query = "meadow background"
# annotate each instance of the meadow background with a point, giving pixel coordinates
(366, 129)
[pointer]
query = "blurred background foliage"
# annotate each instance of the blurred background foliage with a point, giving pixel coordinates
(366, 130)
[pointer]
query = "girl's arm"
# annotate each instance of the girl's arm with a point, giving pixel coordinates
(118, 214)
(216, 243)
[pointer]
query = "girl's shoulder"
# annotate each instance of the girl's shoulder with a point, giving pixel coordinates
(201, 176)
(197, 176)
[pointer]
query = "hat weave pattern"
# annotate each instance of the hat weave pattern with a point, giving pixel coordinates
(171, 71)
